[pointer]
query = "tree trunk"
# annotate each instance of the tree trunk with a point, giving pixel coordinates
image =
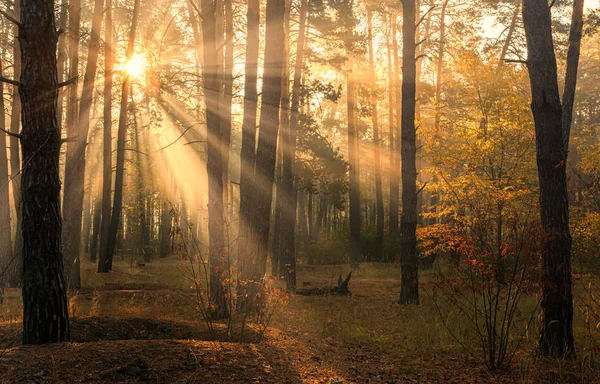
(394, 142)
(142, 198)
(226, 124)
(261, 193)
(72, 197)
(376, 146)
(45, 306)
(556, 337)
(409, 293)
(288, 223)
(509, 35)
(106, 263)
(165, 230)
(15, 269)
(353, 159)
(211, 74)
(62, 56)
(75, 163)
(248, 155)
(105, 251)
(96, 227)
(6, 252)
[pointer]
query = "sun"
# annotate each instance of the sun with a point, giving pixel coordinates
(136, 66)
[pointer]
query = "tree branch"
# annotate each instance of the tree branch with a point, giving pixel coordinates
(68, 140)
(9, 81)
(422, 188)
(516, 61)
(10, 18)
(424, 16)
(68, 82)
(17, 135)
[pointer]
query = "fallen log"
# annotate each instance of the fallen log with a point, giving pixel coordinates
(340, 290)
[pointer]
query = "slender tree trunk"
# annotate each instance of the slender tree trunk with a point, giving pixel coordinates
(106, 264)
(376, 146)
(288, 222)
(15, 269)
(142, 195)
(105, 251)
(556, 337)
(509, 35)
(227, 99)
(440, 66)
(394, 143)
(96, 226)
(45, 306)
(261, 191)
(72, 198)
(353, 159)
(409, 293)
(212, 81)
(6, 252)
(165, 230)
(248, 155)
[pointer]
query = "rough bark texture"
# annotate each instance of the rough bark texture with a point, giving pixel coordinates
(45, 306)
(409, 293)
(72, 212)
(75, 164)
(261, 191)
(105, 252)
(376, 146)
(105, 264)
(211, 74)
(556, 337)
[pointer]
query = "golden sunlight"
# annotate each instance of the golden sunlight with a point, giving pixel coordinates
(136, 67)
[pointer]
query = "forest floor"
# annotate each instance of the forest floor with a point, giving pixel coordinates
(140, 325)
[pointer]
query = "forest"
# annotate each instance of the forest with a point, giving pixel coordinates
(300, 191)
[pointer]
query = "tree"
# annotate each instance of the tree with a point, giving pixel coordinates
(376, 144)
(75, 164)
(6, 251)
(409, 293)
(45, 306)
(288, 251)
(72, 210)
(105, 251)
(552, 126)
(105, 263)
(213, 83)
(394, 136)
(261, 188)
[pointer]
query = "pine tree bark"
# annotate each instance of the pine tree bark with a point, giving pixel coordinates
(409, 293)
(45, 306)
(376, 146)
(213, 83)
(105, 264)
(105, 252)
(556, 336)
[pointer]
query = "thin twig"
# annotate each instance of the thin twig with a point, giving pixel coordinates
(9, 81)
(12, 134)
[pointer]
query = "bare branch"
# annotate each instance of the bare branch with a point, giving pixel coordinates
(10, 18)
(422, 188)
(9, 81)
(18, 136)
(516, 61)
(424, 16)
(72, 80)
